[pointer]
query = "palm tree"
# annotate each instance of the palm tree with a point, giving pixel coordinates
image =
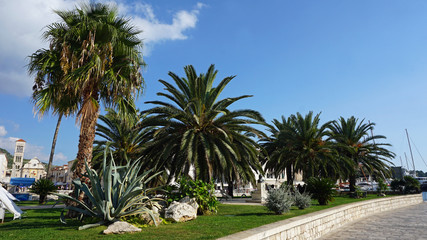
(124, 136)
(49, 94)
(353, 142)
(198, 133)
(299, 144)
(101, 59)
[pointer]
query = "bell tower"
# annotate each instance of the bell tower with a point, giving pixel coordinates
(18, 158)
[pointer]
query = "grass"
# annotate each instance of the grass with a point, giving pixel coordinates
(36, 203)
(44, 224)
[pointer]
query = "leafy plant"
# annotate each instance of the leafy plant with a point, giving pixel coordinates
(279, 200)
(397, 185)
(43, 187)
(321, 189)
(203, 192)
(118, 193)
(358, 193)
(411, 185)
(302, 200)
(382, 186)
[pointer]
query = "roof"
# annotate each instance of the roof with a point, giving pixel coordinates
(20, 140)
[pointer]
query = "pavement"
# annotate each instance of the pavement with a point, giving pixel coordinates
(403, 223)
(41, 206)
(239, 201)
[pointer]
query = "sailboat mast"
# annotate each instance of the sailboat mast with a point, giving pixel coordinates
(410, 149)
(407, 163)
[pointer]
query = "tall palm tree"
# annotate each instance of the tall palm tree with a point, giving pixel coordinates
(354, 143)
(197, 132)
(49, 94)
(101, 59)
(299, 144)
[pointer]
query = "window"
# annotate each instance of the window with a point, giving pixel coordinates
(18, 159)
(19, 149)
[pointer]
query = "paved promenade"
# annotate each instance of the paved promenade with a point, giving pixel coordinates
(403, 223)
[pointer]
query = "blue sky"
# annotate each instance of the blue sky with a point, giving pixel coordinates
(341, 58)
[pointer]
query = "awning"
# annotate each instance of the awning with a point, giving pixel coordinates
(22, 182)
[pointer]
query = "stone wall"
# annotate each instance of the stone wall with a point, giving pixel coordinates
(316, 224)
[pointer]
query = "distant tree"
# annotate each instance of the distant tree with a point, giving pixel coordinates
(299, 144)
(354, 142)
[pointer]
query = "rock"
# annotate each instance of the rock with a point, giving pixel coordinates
(149, 220)
(121, 227)
(180, 212)
(192, 202)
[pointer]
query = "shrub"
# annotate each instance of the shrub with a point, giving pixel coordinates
(382, 186)
(397, 185)
(203, 192)
(411, 185)
(321, 189)
(302, 200)
(279, 200)
(43, 187)
(118, 193)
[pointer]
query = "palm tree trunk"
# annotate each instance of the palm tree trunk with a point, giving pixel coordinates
(289, 176)
(352, 180)
(84, 154)
(52, 150)
(230, 189)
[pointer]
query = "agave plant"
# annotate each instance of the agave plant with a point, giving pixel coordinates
(117, 192)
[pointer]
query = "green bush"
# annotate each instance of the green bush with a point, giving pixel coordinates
(382, 186)
(203, 192)
(321, 189)
(302, 200)
(411, 185)
(43, 187)
(279, 200)
(397, 185)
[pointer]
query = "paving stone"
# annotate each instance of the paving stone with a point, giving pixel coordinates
(403, 223)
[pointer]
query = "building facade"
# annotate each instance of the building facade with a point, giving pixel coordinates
(3, 167)
(33, 169)
(18, 158)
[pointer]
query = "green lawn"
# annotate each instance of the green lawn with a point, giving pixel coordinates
(36, 202)
(44, 224)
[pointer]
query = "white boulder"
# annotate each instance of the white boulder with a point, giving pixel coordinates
(121, 227)
(182, 211)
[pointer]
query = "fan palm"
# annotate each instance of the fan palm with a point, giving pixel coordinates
(49, 92)
(354, 143)
(197, 132)
(100, 57)
(299, 144)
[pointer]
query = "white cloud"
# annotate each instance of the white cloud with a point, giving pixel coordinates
(155, 31)
(23, 23)
(60, 159)
(30, 150)
(3, 131)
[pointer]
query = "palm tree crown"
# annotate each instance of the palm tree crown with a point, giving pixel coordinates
(198, 131)
(354, 142)
(299, 144)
